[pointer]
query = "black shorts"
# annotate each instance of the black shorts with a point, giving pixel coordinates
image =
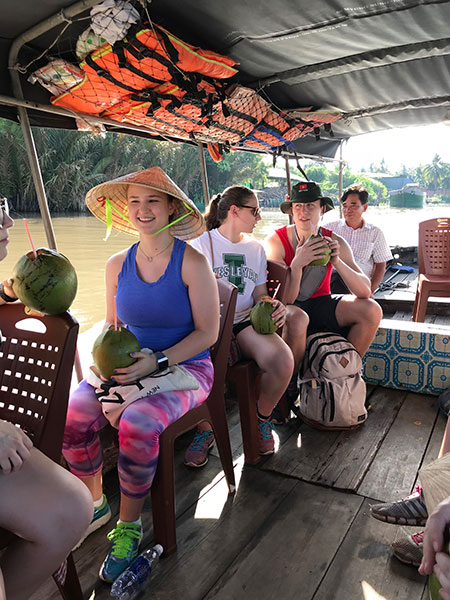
(238, 327)
(322, 314)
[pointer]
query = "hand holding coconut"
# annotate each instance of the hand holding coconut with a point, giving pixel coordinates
(314, 251)
(268, 315)
(335, 249)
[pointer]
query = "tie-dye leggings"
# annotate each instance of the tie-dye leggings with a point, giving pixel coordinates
(140, 426)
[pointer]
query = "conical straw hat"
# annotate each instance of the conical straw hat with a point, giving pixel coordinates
(435, 480)
(108, 202)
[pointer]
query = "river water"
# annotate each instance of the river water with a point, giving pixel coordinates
(80, 238)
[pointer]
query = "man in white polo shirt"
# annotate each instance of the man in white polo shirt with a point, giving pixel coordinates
(367, 241)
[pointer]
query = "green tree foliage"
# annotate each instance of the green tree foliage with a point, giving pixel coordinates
(329, 182)
(434, 172)
(72, 162)
(434, 175)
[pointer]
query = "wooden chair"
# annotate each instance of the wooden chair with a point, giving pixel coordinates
(245, 375)
(36, 361)
(434, 264)
(213, 411)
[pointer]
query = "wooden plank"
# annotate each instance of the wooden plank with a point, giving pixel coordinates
(354, 451)
(210, 539)
(402, 315)
(442, 320)
(282, 433)
(338, 459)
(292, 549)
(302, 453)
(393, 472)
(191, 484)
(364, 567)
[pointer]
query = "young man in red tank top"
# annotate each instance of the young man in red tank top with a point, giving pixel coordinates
(356, 315)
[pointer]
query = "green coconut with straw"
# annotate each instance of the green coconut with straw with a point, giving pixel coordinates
(112, 348)
(44, 280)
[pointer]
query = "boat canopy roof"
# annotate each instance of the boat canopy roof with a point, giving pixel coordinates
(383, 64)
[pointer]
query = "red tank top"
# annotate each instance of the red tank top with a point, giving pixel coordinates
(324, 287)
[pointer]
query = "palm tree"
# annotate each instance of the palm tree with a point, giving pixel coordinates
(433, 172)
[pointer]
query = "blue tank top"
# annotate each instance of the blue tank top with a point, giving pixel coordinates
(158, 313)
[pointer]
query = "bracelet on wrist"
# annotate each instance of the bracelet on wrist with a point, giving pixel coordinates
(5, 296)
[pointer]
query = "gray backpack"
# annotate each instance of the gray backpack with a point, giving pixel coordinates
(332, 390)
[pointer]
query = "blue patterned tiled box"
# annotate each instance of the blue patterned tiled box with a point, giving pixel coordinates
(411, 356)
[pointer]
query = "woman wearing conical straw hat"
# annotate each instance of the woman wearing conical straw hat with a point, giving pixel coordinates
(167, 296)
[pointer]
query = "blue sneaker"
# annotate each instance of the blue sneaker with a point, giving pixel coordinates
(125, 538)
(102, 515)
(266, 439)
(197, 453)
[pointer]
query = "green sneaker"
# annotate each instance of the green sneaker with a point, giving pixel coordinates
(102, 515)
(125, 538)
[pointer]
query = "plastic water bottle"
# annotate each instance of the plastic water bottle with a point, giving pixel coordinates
(128, 585)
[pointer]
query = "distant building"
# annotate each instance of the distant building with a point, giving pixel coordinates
(392, 182)
(277, 176)
(275, 191)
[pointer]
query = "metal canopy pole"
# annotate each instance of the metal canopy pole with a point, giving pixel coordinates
(341, 174)
(37, 177)
(201, 155)
(288, 184)
(32, 33)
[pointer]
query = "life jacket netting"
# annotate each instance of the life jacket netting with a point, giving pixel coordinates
(275, 130)
(155, 80)
(228, 120)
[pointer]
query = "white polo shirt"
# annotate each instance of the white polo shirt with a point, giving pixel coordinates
(368, 244)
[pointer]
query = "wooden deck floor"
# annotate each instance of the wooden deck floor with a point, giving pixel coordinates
(298, 525)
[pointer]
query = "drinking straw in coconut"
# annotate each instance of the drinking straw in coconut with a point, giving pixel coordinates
(276, 291)
(314, 229)
(29, 237)
(115, 313)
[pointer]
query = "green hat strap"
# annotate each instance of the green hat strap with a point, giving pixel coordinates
(190, 211)
(109, 207)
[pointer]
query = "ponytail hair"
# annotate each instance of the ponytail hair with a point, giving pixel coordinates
(235, 195)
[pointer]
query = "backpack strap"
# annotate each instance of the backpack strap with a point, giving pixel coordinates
(212, 250)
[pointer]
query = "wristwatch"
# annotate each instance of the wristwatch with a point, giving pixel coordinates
(4, 296)
(162, 362)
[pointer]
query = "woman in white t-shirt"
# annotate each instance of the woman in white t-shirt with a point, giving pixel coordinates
(238, 257)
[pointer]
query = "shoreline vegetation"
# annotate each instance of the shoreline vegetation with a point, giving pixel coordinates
(72, 162)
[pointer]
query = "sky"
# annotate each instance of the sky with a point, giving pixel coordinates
(411, 146)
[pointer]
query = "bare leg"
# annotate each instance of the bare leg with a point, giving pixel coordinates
(274, 358)
(294, 333)
(130, 508)
(50, 510)
(94, 484)
(363, 316)
(2, 588)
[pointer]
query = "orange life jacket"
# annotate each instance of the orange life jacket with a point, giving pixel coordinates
(163, 112)
(168, 112)
(142, 62)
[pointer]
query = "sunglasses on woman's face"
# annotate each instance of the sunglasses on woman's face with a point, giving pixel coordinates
(256, 211)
